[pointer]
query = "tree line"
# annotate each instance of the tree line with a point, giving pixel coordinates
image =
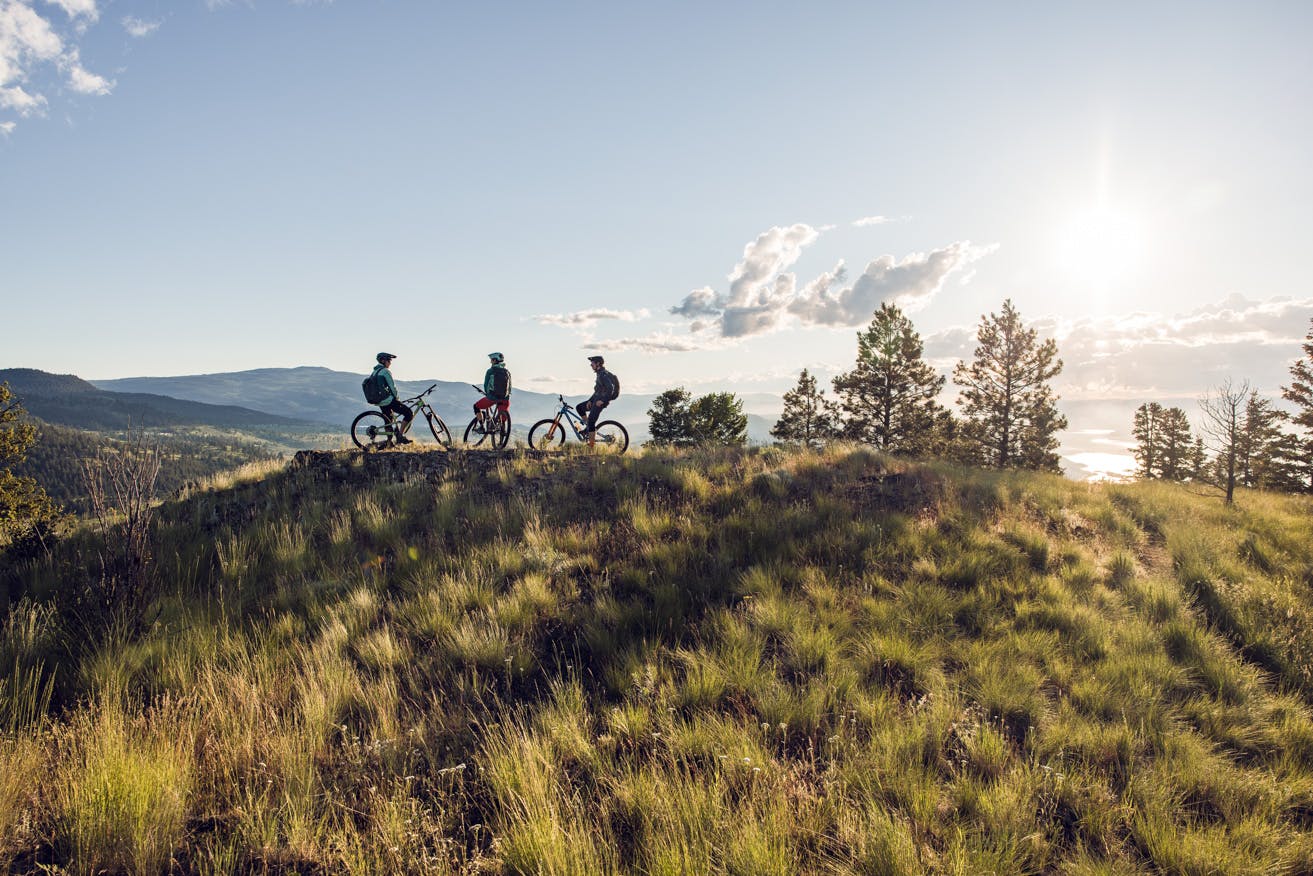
(890, 399)
(1242, 439)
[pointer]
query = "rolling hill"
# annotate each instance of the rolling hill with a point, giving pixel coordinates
(756, 661)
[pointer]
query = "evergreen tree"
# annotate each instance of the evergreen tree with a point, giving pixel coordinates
(1259, 438)
(1010, 409)
(1147, 432)
(889, 398)
(27, 515)
(718, 418)
(668, 419)
(1300, 394)
(1199, 461)
(1176, 445)
(808, 417)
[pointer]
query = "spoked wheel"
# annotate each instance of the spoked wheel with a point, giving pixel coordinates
(475, 436)
(370, 431)
(611, 437)
(502, 429)
(547, 435)
(440, 433)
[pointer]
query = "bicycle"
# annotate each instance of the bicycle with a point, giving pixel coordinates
(549, 434)
(497, 433)
(374, 430)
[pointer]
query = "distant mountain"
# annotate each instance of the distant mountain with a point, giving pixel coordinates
(70, 401)
(334, 397)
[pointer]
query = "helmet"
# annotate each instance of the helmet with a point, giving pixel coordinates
(497, 358)
(597, 360)
(385, 357)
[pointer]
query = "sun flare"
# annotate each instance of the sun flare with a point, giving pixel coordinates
(1101, 247)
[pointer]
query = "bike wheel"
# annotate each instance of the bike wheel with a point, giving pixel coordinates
(370, 431)
(473, 437)
(440, 433)
(611, 437)
(502, 429)
(544, 437)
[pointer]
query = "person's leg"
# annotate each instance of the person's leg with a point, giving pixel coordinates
(593, 413)
(481, 409)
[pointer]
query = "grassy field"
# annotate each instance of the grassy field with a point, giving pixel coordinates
(747, 662)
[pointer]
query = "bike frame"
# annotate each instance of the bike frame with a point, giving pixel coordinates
(571, 416)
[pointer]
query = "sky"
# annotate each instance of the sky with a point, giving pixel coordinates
(713, 195)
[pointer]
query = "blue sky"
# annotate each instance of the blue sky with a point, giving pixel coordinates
(191, 186)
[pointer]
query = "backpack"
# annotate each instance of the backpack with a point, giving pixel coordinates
(615, 387)
(501, 383)
(375, 387)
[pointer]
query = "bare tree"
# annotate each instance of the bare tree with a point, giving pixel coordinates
(1223, 430)
(120, 485)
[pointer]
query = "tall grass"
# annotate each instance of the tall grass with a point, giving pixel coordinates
(746, 661)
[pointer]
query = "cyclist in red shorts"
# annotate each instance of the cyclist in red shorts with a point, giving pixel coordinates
(496, 390)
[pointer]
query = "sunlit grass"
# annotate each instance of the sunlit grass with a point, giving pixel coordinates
(749, 661)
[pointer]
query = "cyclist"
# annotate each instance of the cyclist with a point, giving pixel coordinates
(391, 405)
(496, 390)
(605, 389)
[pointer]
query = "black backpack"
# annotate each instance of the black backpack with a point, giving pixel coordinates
(501, 383)
(615, 387)
(375, 387)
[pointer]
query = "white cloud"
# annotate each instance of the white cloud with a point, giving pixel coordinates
(1152, 356)
(139, 27)
(7, 128)
(871, 220)
(15, 98)
(763, 294)
(31, 43)
(585, 319)
(82, 80)
(659, 342)
(77, 8)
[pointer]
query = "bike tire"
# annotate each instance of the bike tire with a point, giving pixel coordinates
(541, 436)
(369, 431)
(611, 437)
(473, 438)
(440, 432)
(503, 424)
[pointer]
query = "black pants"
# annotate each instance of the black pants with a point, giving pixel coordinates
(395, 408)
(593, 412)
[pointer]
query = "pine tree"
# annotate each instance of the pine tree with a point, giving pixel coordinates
(889, 398)
(1010, 408)
(808, 417)
(27, 514)
(718, 418)
(1176, 445)
(1300, 393)
(1147, 432)
(668, 419)
(1259, 437)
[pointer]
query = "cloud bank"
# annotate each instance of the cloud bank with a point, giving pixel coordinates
(763, 292)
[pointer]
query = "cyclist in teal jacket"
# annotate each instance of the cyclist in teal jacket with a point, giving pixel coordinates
(392, 406)
(496, 388)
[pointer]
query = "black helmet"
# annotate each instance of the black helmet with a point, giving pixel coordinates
(384, 358)
(597, 360)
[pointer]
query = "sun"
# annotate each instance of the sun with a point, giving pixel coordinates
(1101, 248)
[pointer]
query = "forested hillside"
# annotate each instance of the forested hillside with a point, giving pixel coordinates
(747, 661)
(56, 461)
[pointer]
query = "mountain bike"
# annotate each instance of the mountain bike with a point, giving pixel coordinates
(609, 436)
(374, 430)
(494, 428)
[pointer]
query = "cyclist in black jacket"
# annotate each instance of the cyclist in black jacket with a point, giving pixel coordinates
(605, 388)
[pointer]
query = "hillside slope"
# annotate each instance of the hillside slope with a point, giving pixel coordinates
(70, 401)
(741, 662)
